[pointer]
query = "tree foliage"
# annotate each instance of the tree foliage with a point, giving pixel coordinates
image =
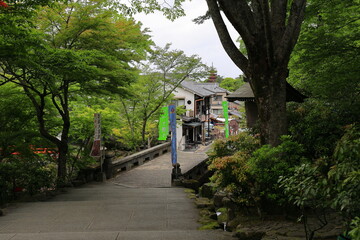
(326, 59)
(160, 76)
(331, 182)
(231, 84)
(77, 45)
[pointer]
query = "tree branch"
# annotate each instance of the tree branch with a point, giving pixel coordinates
(244, 22)
(236, 56)
(278, 18)
(292, 31)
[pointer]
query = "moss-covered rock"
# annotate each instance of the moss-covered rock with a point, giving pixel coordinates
(204, 203)
(207, 190)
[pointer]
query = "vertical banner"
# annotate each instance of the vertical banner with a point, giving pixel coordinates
(164, 124)
(172, 114)
(225, 106)
(96, 147)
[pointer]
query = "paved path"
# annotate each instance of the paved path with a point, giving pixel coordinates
(120, 209)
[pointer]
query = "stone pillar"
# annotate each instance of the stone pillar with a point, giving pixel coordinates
(176, 173)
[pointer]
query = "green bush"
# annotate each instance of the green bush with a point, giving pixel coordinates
(250, 172)
(30, 174)
(268, 163)
(317, 126)
(329, 182)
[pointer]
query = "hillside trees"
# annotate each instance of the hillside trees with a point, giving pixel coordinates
(86, 45)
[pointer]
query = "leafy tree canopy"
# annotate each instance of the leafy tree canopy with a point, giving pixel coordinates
(326, 61)
(231, 84)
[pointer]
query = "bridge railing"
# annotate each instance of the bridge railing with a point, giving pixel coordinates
(112, 166)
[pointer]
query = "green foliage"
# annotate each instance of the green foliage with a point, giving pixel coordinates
(355, 231)
(16, 120)
(164, 72)
(317, 126)
(231, 84)
(229, 161)
(330, 182)
(66, 48)
(326, 59)
(250, 171)
(227, 147)
(345, 173)
(26, 171)
(268, 163)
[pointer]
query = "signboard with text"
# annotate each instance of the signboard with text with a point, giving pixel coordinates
(96, 147)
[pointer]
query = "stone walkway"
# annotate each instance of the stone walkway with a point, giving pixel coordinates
(139, 204)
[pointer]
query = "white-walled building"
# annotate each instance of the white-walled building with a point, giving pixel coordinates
(199, 100)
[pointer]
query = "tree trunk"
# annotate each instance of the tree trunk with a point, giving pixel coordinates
(270, 88)
(143, 132)
(269, 30)
(62, 161)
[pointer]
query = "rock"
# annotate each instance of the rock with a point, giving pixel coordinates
(207, 190)
(231, 206)
(204, 203)
(249, 235)
(218, 198)
(191, 183)
(2, 212)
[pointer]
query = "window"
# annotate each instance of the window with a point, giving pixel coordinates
(218, 98)
(178, 102)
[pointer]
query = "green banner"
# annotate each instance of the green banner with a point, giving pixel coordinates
(225, 106)
(164, 124)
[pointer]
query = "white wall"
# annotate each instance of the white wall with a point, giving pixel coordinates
(188, 96)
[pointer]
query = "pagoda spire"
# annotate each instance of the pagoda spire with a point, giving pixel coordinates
(213, 74)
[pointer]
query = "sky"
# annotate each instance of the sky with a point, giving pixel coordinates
(192, 38)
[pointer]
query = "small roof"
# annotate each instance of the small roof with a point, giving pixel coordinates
(245, 93)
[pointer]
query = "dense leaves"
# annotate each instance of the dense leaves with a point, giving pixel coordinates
(326, 59)
(69, 47)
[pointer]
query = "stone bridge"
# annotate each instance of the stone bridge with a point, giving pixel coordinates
(136, 204)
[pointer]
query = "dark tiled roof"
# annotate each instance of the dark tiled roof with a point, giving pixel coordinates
(197, 89)
(245, 93)
(203, 89)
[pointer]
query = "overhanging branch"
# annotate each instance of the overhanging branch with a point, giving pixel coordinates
(236, 56)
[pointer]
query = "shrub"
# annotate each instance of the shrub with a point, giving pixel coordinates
(329, 182)
(268, 163)
(251, 172)
(31, 174)
(316, 125)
